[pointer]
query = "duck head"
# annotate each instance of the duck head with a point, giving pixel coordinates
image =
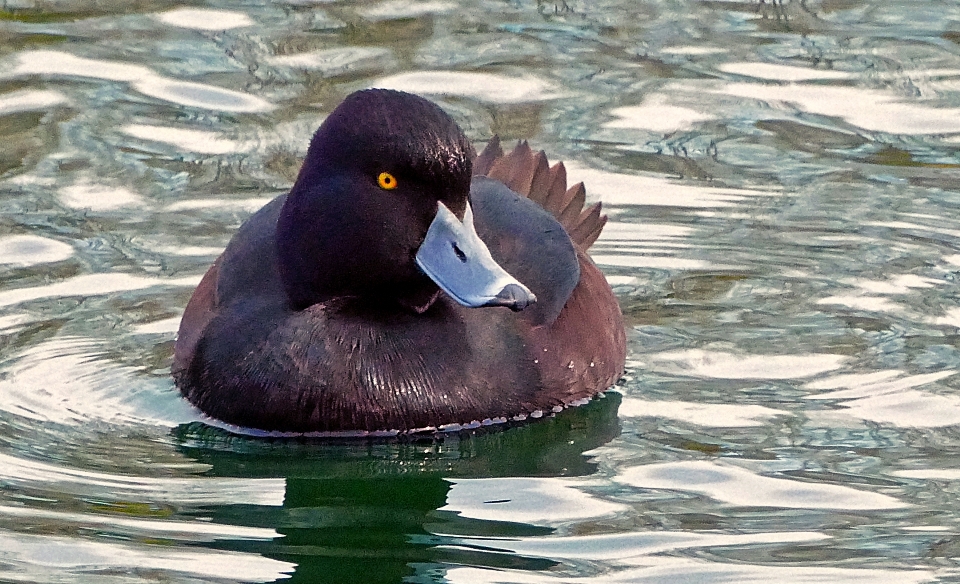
(381, 211)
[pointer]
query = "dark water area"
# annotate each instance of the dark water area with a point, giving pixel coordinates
(782, 180)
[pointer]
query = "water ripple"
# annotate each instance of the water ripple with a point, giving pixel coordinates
(666, 570)
(91, 285)
(337, 61)
(30, 250)
(205, 19)
(70, 381)
(190, 140)
(736, 486)
(865, 108)
(714, 415)
(189, 531)
(655, 190)
(30, 100)
(485, 87)
(722, 365)
(781, 182)
(527, 500)
(41, 476)
(29, 557)
(141, 78)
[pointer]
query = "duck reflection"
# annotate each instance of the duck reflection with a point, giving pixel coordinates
(378, 512)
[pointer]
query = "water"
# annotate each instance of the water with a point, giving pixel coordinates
(784, 239)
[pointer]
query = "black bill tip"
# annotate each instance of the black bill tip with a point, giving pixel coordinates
(514, 297)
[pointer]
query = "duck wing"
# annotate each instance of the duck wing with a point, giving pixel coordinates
(246, 268)
(529, 174)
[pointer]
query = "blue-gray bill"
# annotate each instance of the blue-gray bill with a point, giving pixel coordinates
(454, 256)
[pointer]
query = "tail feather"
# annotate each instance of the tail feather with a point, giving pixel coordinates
(556, 199)
(517, 169)
(576, 198)
(529, 174)
(589, 226)
(483, 163)
(541, 181)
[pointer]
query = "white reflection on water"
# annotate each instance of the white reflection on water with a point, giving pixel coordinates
(653, 189)
(897, 284)
(656, 114)
(535, 501)
(189, 531)
(30, 100)
(394, 9)
(951, 317)
(908, 409)
(917, 228)
(99, 197)
(25, 473)
(205, 19)
(141, 78)
(776, 72)
(201, 95)
(199, 141)
(30, 250)
(722, 365)
(167, 326)
(663, 262)
(660, 235)
(249, 205)
(53, 559)
(336, 61)
(623, 546)
(41, 476)
(863, 302)
(933, 474)
(855, 385)
(667, 570)
(888, 398)
(485, 87)
(700, 414)
(69, 381)
(736, 486)
(865, 108)
(91, 285)
(188, 250)
(648, 245)
(867, 292)
(692, 50)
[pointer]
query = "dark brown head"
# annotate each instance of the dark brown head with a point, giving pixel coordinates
(379, 171)
(366, 195)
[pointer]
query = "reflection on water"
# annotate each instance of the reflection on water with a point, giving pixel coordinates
(143, 79)
(738, 487)
(484, 87)
(201, 19)
(781, 180)
(28, 250)
(667, 570)
(534, 501)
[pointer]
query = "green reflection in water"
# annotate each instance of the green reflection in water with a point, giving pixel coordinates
(367, 510)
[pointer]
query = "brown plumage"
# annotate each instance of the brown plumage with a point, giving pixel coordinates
(316, 319)
(528, 173)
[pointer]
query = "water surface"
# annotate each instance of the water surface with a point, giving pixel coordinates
(782, 185)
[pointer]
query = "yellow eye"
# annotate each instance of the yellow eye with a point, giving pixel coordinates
(387, 181)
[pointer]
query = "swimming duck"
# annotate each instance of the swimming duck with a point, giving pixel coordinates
(403, 284)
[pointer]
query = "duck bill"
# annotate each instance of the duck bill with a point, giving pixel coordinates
(457, 260)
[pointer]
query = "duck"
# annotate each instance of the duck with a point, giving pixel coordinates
(404, 284)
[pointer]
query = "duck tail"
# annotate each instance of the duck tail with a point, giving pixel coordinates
(529, 174)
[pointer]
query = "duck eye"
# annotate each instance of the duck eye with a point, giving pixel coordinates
(387, 181)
